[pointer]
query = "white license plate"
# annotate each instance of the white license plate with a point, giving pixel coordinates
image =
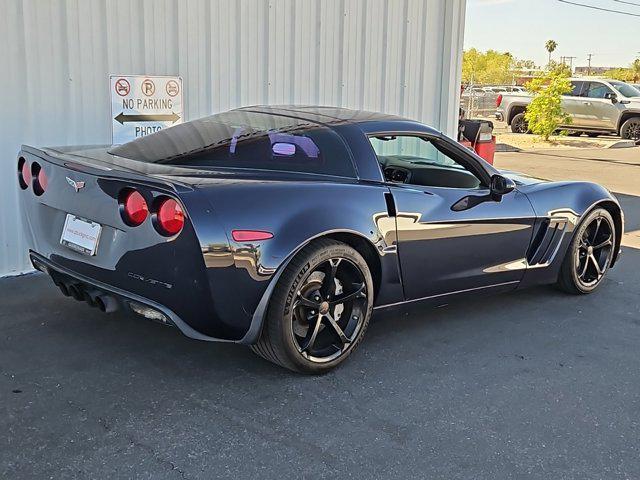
(80, 235)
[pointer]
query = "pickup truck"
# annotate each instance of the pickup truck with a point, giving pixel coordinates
(596, 106)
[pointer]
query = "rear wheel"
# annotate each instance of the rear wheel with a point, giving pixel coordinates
(519, 124)
(589, 255)
(631, 129)
(319, 310)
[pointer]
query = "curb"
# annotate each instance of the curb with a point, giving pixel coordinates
(624, 144)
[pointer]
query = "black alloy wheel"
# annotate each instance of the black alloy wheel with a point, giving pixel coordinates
(590, 253)
(319, 310)
(329, 310)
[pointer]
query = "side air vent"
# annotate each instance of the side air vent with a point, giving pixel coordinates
(545, 244)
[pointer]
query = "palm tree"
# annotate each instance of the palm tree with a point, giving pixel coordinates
(551, 45)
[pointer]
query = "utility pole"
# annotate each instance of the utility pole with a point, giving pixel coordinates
(589, 59)
(570, 62)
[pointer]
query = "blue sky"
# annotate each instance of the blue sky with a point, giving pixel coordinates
(523, 26)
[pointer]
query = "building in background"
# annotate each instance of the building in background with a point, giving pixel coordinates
(401, 57)
(583, 71)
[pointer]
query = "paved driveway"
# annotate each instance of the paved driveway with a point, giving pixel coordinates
(530, 385)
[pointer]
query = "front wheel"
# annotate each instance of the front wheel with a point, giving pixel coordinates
(631, 129)
(589, 255)
(319, 310)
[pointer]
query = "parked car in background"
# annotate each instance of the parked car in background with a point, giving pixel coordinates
(596, 106)
(283, 227)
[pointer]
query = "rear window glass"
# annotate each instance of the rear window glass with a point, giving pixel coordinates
(244, 139)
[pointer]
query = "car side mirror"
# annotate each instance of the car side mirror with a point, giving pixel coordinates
(501, 186)
(611, 96)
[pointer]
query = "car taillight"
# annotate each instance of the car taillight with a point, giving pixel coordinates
(41, 182)
(498, 100)
(134, 208)
(250, 235)
(24, 173)
(169, 217)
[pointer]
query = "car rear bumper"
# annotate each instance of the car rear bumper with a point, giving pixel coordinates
(109, 298)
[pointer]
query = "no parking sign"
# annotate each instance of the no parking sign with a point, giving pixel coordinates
(143, 104)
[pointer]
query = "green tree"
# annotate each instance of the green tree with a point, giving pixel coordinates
(630, 74)
(545, 114)
(490, 67)
(551, 46)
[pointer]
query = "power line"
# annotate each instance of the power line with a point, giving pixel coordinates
(600, 8)
(627, 3)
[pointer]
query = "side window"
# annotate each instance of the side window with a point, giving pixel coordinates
(577, 88)
(598, 90)
(420, 161)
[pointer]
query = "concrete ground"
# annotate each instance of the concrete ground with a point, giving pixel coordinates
(530, 385)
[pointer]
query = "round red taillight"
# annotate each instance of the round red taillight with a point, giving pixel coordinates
(134, 209)
(41, 182)
(170, 217)
(24, 173)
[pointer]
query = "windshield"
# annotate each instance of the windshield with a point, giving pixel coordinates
(625, 89)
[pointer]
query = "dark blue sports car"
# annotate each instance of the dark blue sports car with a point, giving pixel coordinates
(284, 227)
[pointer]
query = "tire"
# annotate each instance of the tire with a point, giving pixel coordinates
(305, 338)
(630, 129)
(583, 254)
(519, 124)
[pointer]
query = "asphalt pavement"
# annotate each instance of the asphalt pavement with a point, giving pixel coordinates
(534, 384)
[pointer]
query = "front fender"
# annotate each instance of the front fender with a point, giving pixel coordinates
(573, 200)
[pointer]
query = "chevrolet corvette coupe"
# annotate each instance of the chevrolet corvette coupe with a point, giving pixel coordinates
(284, 227)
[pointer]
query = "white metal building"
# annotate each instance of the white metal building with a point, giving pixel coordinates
(397, 56)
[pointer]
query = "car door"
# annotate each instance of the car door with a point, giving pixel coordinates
(602, 112)
(444, 244)
(574, 105)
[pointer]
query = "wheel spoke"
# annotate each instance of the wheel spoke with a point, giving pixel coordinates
(597, 229)
(305, 302)
(596, 264)
(343, 338)
(584, 268)
(311, 339)
(605, 243)
(349, 296)
(329, 282)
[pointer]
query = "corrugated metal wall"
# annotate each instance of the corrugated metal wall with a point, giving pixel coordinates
(397, 56)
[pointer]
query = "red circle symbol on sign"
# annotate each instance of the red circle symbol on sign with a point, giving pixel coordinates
(148, 87)
(122, 87)
(172, 88)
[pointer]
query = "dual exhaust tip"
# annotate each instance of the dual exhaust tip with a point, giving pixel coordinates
(95, 298)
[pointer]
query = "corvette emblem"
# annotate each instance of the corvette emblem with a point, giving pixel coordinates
(76, 185)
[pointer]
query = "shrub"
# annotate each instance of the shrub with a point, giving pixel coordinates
(545, 114)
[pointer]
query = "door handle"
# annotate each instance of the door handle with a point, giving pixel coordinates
(586, 103)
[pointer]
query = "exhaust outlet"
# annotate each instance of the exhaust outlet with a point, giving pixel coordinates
(75, 292)
(90, 297)
(106, 303)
